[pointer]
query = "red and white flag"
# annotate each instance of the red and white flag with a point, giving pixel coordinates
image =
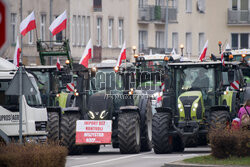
(222, 59)
(122, 55)
(17, 53)
(87, 54)
(58, 64)
(204, 51)
(70, 87)
(59, 23)
(28, 24)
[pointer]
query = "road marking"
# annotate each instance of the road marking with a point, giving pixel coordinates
(169, 156)
(76, 158)
(114, 159)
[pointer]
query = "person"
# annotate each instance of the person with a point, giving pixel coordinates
(201, 81)
(244, 114)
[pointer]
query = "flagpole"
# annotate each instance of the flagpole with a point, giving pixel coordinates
(20, 81)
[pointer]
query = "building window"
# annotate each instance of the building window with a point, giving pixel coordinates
(97, 5)
(83, 30)
(234, 5)
(159, 39)
(159, 2)
(42, 27)
(240, 41)
(142, 3)
(99, 31)
(13, 28)
(30, 37)
(143, 40)
(74, 30)
(189, 6)
(59, 36)
(120, 33)
(78, 36)
(188, 43)
(175, 41)
(201, 42)
(88, 29)
(110, 33)
(235, 41)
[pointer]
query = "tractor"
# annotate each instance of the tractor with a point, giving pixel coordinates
(107, 93)
(197, 97)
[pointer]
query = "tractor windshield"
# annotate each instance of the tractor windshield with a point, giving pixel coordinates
(196, 78)
(106, 79)
(152, 65)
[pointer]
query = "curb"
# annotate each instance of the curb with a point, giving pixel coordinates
(182, 164)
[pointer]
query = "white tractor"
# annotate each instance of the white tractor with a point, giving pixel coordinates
(34, 115)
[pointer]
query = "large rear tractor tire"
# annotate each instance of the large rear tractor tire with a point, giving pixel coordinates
(219, 119)
(68, 132)
(146, 129)
(129, 133)
(53, 126)
(162, 141)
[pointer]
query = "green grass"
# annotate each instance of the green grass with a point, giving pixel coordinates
(208, 159)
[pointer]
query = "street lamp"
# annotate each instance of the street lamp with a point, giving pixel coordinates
(220, 43)
(134, 49)
(181, 47)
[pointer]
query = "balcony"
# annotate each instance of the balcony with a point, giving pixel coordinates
(157, 14)
(238, 17)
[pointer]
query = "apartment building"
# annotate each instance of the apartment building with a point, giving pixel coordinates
(141, 23)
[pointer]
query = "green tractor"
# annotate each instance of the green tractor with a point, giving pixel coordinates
(196, 99)
(108, 95)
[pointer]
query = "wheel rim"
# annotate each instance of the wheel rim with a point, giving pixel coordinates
(137, 133)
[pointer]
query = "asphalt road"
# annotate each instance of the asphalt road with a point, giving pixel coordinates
(112, 157)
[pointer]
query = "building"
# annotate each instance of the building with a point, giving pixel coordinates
(140, 23)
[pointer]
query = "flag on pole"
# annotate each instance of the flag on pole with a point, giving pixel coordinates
(222, 59)
(122, 55)
(58, 64)
(87, 54)
(204, 51)
(17, 53)
(59, 23)
(28, 24)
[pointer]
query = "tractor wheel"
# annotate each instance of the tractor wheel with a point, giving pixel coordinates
(53, 126)
(178, 145)
(129, 133)
(162, 141)
(68, 132)
(146, 129)
(91, 149)
(219, 119)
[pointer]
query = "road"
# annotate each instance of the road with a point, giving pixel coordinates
(112, 157)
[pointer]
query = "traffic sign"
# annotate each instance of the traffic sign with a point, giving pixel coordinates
(3, 26)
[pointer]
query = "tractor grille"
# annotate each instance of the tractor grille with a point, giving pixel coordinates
(187, 102)
(97, 102)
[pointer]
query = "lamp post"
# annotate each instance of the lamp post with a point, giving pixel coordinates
(134, 49)
(181, 47)
(220, 43)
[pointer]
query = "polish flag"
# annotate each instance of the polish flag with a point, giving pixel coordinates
(86, 55)
(28, 24)
(58, 64)
(17, 53)
(222, 59)
(122, 55)
(59, 23)
(203, 53)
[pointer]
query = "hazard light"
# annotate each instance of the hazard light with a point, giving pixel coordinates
(116, 68)
(67, 61)
(231, 56)
(243, 55)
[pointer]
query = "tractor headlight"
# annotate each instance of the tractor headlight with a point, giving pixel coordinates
(91, 115)
(103, 114)
(179, 105)
(196, 105)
